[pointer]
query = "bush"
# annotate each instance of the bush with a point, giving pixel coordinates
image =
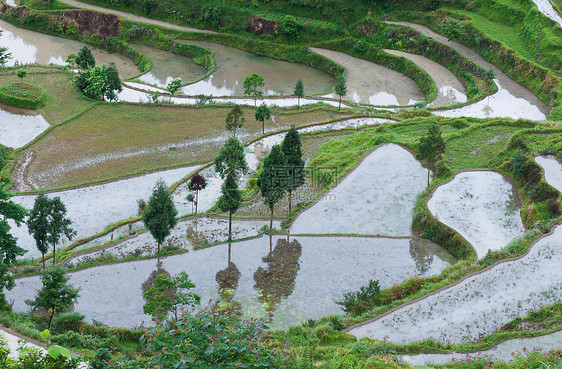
(290, 26)
(68, 322)
(358, 301)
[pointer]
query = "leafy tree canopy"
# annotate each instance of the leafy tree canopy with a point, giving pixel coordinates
(9, 250)
(160, 213)
(85, 58)
(235, 119)
(168, 295)
(231, 159)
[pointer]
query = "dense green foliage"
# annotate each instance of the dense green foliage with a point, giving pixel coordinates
(235, 119)
(262, 113)
(85, 59)
(160, 213)
(273, 181)
(99, 82)
(56, 295)
(292, 148)
(23, 95)
(168, 295)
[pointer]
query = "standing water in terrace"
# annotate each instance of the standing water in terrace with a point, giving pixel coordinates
(167, 66)
(233, 65)
(377, 198)
(295, 280)
(370, 83)
(489, 204)
(29, 47)
(20, 126)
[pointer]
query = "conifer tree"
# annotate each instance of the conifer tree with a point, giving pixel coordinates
(431, 146)
(299, 92)
(160, 213)
(273, 180)
(292, 148)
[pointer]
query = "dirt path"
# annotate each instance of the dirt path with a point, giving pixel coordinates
(506, 82)
(132, 17)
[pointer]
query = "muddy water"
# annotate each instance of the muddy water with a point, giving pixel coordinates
(294, 280)
(33, 47)
(450, 89)
(510, 86)
(20, 126)
(489, 204)
(481, 303)
(504, 351)
(374, 84)
(233, 65)
(167, 66)
(377, 198)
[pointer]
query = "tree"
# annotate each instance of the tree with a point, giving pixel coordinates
(263, 112)
(292, 148)
(273, 180)
(59, 225)
(99, 82)
(340, 88)
(160, 302)
(299, 92)
(290, 26)
(231, 159)
(160, 213)
(9, 250)
(197, 183)
(230, 199)
(85, 59)
(4, 54)
(431, 146)
(251, 85)
(174, 86)
(230, 163)
(235, 119)
(56, 295)
(38, 223)
(21, 73)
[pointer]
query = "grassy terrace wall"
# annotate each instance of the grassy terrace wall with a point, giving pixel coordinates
(542, 81)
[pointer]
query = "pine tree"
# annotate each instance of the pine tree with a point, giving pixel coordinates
(273, 180)
(38, 224)
(160, 213)
(230, 199)
(85, 58)
(292, 148)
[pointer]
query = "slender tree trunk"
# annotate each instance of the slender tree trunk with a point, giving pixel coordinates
(339, 106)
(196, 200)
(54, 253)
(51, 318)
(158, 248)
(263, 126)
(270, 246)
(229, 251)
(43, 257)
(230, 225)
(299, 103)
(271, 221)
(290, 198)
(427, 176)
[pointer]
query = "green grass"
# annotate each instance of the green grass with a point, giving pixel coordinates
(501, 32)
(63, 99)
(478, 148)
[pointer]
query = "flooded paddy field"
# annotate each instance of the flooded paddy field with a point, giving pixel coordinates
(91, 209)
(449, 89)
(167, 66)
(480, 303)
(483, 207)
(294, 280)
(552, 170)
(370, 83)
(233, 65)
(28, 47)
(20, 126)
(377, 198)
(504, 351)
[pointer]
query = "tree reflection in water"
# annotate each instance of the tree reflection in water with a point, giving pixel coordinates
(422, 256)
(228, 283)
(277, 282)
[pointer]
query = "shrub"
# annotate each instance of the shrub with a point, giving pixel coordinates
(356, 301)
(290, 26)
(68, 322)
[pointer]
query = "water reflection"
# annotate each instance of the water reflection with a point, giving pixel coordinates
(421, 255)
(33, 47)
(228, 280)
(167, 67)
(297, 280)
(277, 281)
(233, 65)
